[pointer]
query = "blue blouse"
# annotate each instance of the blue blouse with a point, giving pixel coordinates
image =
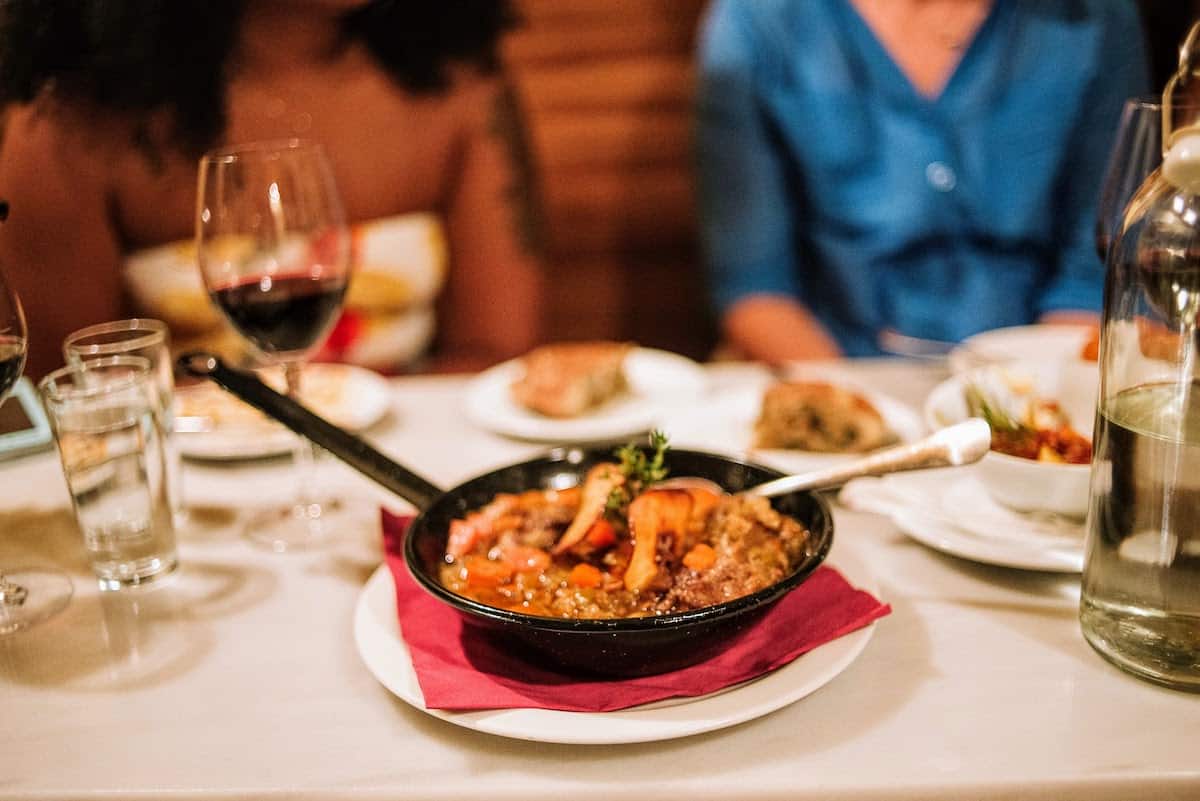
(825, 175)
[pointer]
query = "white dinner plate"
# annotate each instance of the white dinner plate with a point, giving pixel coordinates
(950, 511)
(659, 381)
(352, 397)
(1021, 343)
(725, 424)
(377, 634)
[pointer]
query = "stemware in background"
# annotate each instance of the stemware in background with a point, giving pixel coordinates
(151, 340)
(1136, 153)
(105, 416)
(27, 595)
(274, 254)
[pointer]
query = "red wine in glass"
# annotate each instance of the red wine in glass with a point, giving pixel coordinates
(283, 314)
(12, 359)
(28, 595)
(274, 252)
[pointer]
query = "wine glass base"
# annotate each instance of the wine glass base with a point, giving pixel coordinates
(36, 595)
(300, 527)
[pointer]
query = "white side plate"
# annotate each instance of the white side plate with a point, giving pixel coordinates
(1022, 343)
(725, 424)
(950, 511)
(352, 397)
(658, 382)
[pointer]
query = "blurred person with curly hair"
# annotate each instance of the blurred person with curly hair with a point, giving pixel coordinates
(109, 104)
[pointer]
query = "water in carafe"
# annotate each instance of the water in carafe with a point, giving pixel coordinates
(1140, 599)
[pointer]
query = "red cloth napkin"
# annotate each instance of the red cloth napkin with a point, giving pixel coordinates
(821, 609)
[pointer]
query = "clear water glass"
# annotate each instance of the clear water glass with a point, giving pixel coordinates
(106, 422)
(150, 339)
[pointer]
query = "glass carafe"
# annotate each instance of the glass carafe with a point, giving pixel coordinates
(1140, 601)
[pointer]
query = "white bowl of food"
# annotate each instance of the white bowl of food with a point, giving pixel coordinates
(1041, 415)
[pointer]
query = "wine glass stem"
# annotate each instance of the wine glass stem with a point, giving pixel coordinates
(305, 454)
(11, 594)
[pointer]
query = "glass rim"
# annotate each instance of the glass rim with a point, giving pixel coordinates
(1153, 102)
(228, 154)
(140, 371)
(155, 331)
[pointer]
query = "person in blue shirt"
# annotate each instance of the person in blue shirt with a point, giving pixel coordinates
(926, 167)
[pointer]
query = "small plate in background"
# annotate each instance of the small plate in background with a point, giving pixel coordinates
(1046, 343)
(223, 427)
(658, 382)
(725, 424)
(950, 511)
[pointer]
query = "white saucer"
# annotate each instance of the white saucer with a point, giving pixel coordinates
(377, 634)
(658, 382)
(352, 397)
(950, 511)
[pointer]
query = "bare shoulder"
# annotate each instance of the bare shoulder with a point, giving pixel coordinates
(44, 147)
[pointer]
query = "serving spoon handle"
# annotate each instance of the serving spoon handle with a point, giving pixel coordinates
(959, 444)
(353, 450)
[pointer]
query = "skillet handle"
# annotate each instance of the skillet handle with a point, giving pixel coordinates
(351, 449)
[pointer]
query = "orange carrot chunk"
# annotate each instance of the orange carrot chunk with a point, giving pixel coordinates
(601, 534)
(524, 558)
(479, 571)
(585, 575)
(700, 557)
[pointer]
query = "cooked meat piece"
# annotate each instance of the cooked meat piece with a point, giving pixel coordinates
(755, 547)
(549, 516)
(817, 416)
(570, 378)
(539, 537)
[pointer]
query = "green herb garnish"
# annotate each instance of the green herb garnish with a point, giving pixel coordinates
(993, 414)
(639, 470)
(637, 467)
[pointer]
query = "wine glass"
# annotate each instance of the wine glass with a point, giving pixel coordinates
(1136, 153)
(274, 253)
(27, 595)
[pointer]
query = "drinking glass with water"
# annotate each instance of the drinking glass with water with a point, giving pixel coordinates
(107, 425)
(150, 339)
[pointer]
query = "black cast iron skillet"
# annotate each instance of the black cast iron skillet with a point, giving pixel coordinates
(622, 647)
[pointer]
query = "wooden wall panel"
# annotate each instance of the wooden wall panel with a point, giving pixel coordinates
(596, 212)
(616, 138)
(607, 87)
(545, 12)
(598, 38)
(646, 82)
(652, 300)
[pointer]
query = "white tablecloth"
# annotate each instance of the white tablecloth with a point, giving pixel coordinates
(241, 677)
